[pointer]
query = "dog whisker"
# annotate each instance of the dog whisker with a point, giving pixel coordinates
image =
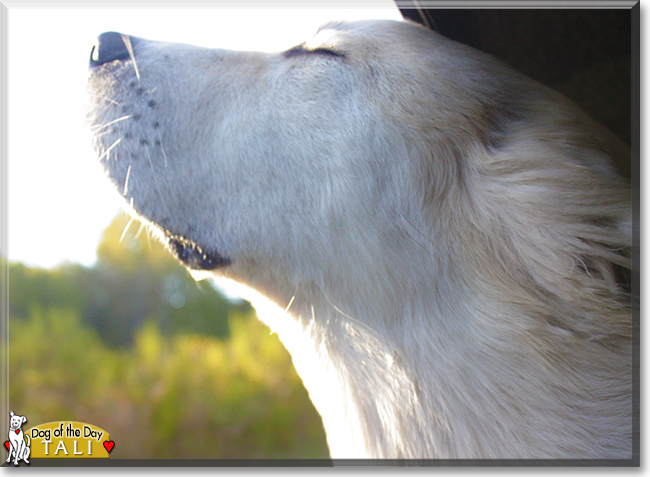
(351, 318)
(147, 230)
(126, 229)
(126, 181)
(140, 229)
(107, 151)
(159, 190)
(110, 100)
(162, 148)
(127, 42)
(103, 134)
(153, 170)
(147, 233)
(99, 128)
(290, 303)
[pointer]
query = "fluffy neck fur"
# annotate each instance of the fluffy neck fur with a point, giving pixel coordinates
(459, 372)
(481, 335)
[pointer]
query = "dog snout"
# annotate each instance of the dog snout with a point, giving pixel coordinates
(111, 46)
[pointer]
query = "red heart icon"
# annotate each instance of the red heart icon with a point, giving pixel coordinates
(108, 445)
(7, 445)
(17, 431)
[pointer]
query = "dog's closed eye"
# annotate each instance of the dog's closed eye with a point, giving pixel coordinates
(301, 50)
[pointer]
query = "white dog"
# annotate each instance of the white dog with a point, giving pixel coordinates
(440, 232)
(17, 445)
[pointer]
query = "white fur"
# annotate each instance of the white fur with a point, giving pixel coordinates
(435, 232)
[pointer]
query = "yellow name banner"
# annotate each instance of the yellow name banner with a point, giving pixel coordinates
(69, 440)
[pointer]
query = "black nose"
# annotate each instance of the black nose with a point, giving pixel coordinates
(111, 46)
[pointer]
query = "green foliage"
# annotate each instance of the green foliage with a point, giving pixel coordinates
(51, 357)
(186, 396)
(134, 280)
(168, 366)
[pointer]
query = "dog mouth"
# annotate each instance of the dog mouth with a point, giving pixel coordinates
(192, 255)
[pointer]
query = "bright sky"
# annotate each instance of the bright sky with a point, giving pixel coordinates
(58, 201)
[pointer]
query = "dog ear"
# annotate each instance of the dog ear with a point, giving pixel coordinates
(11, 413)
(24, 419)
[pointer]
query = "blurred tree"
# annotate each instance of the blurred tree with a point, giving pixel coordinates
(186, 396)
(35, 287)
(129, 345)
(135, 279)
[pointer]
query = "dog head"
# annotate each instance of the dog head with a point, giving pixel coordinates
(244, 159)
(16, 422)
(336, 161)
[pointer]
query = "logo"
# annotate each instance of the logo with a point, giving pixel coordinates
(16, 445)
(57, 440)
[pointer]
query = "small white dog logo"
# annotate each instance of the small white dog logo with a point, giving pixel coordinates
(17, 445)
